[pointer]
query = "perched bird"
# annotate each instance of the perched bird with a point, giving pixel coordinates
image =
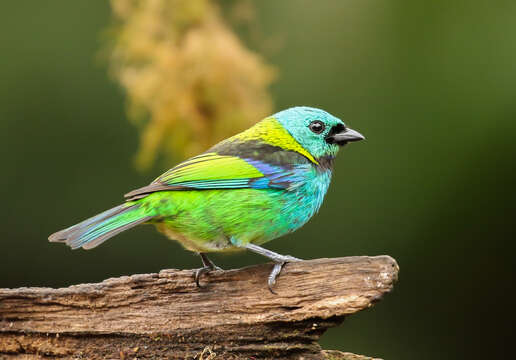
(249, 189)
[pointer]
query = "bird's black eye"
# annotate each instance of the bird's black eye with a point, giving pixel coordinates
(316, 126)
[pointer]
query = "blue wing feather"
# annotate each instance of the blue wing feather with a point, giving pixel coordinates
(229, 170)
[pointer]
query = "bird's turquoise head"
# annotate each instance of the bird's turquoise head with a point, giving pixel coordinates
(318, 132)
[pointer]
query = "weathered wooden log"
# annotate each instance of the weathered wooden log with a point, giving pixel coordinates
(164, 315)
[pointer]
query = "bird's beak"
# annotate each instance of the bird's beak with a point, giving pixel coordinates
(344, 136)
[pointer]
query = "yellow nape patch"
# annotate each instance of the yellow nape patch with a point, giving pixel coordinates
(271, 131)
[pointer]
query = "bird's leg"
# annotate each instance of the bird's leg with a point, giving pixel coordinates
(208, 263)
(279, 262)
(208, 266)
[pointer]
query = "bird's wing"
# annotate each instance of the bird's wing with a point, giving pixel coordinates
(215, 171)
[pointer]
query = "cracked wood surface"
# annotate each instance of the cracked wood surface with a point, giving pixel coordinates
(164, 315)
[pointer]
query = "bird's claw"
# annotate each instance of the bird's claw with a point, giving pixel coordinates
(274, 274)
(208, 266)
(204, 270)
(277, 269)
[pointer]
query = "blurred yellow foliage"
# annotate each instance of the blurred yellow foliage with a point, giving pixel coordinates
(189, 80)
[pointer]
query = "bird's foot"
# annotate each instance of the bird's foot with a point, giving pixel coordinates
(201, 271)
(277, 269)
(279, 262)
(208, 266)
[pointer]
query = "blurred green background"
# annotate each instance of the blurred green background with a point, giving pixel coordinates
(431, 84)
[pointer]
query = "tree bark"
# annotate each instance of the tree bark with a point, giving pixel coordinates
(164, 315)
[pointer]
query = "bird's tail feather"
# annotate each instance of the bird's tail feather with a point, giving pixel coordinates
(99, 228)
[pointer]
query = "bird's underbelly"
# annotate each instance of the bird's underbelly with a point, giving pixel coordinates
(225, 220)
(190, 242)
